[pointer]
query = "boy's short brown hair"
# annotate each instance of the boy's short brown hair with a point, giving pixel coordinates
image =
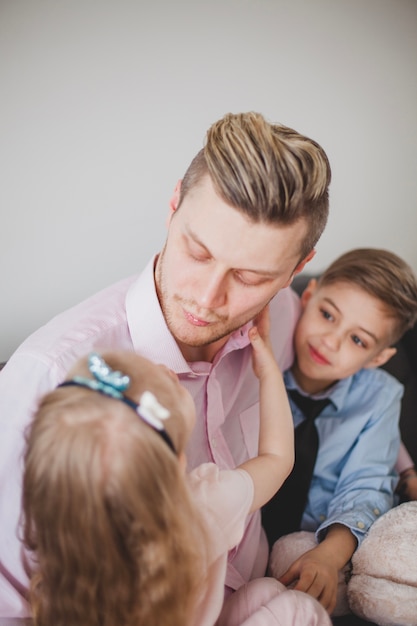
(381, 274)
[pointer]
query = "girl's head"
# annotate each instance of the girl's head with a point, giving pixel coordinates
(114, 534)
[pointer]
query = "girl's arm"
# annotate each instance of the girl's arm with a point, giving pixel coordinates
(276, 431)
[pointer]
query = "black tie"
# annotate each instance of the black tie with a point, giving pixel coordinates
(283, 513)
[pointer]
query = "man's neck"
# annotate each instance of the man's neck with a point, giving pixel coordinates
(205, 353)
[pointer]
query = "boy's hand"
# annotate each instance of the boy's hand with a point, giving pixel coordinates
(262, 357)
(316, 572)
(313, 574)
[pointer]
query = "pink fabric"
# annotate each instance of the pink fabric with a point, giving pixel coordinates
(40, 363)
(225, 497)
(404, 459)
(266, 602)
(127, 316)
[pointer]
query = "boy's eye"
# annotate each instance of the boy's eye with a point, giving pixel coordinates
(358, 341)
(326, 314)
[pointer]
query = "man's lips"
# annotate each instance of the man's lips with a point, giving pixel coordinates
(317, 357)
(195, 321)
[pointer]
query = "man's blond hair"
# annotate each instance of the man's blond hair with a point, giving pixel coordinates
(269, 172)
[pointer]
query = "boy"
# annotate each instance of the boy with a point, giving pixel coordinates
(351, 318)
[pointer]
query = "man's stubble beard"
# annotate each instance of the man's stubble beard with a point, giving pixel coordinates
(164, 299)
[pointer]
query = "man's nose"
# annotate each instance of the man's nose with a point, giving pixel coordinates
(212, 292)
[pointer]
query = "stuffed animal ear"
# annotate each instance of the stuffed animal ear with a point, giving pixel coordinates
(383, 584)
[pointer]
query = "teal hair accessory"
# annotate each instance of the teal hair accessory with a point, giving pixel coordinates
(112, 384)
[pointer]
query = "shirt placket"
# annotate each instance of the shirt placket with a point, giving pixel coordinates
(219, 449)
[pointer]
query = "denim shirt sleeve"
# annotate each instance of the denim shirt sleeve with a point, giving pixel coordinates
(366, 483)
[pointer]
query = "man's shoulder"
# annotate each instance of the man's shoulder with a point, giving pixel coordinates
(285, 308)
(284, 311)
(286, 297)
(78, 327)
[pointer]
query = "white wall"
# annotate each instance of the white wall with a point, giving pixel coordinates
(104, 103)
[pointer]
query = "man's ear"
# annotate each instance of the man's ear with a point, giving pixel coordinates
(381, 358)
(174, 201)
(304, 262)
(300, 267)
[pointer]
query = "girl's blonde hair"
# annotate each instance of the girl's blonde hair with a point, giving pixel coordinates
(116, 539)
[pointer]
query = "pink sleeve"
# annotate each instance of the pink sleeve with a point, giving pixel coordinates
(404, 460)
(225, 497)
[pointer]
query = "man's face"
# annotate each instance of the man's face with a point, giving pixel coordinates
(342, 329)
(218, 270)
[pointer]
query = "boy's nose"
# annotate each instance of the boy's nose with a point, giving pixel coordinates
(332, 340)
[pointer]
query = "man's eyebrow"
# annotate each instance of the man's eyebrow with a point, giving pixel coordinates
(189, 233)
(364, 330)
(271, 273)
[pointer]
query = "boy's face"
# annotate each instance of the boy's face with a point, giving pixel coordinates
(342, 329)
(218, 269)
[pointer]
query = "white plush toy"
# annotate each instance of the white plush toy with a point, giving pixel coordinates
(383, 583)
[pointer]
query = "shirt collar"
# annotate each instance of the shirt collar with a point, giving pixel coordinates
(337, 392)
(150, 335)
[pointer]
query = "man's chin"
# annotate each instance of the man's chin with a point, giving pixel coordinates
(200, 337)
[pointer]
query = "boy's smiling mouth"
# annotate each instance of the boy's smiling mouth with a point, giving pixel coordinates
(317, 357)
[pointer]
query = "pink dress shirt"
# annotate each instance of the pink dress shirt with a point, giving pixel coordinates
(127, 316)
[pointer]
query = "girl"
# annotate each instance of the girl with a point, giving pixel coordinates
(117, 532)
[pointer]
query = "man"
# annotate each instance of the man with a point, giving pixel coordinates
(244, 220)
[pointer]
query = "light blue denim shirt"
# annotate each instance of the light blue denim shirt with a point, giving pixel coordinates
(359, 439)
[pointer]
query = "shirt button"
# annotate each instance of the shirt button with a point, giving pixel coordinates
(360, 525)
(322, 517)
(214, 443)
(377, 511)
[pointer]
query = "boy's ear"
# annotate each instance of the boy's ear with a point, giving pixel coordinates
(381, 358)
(174, 201)
(308, 291)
